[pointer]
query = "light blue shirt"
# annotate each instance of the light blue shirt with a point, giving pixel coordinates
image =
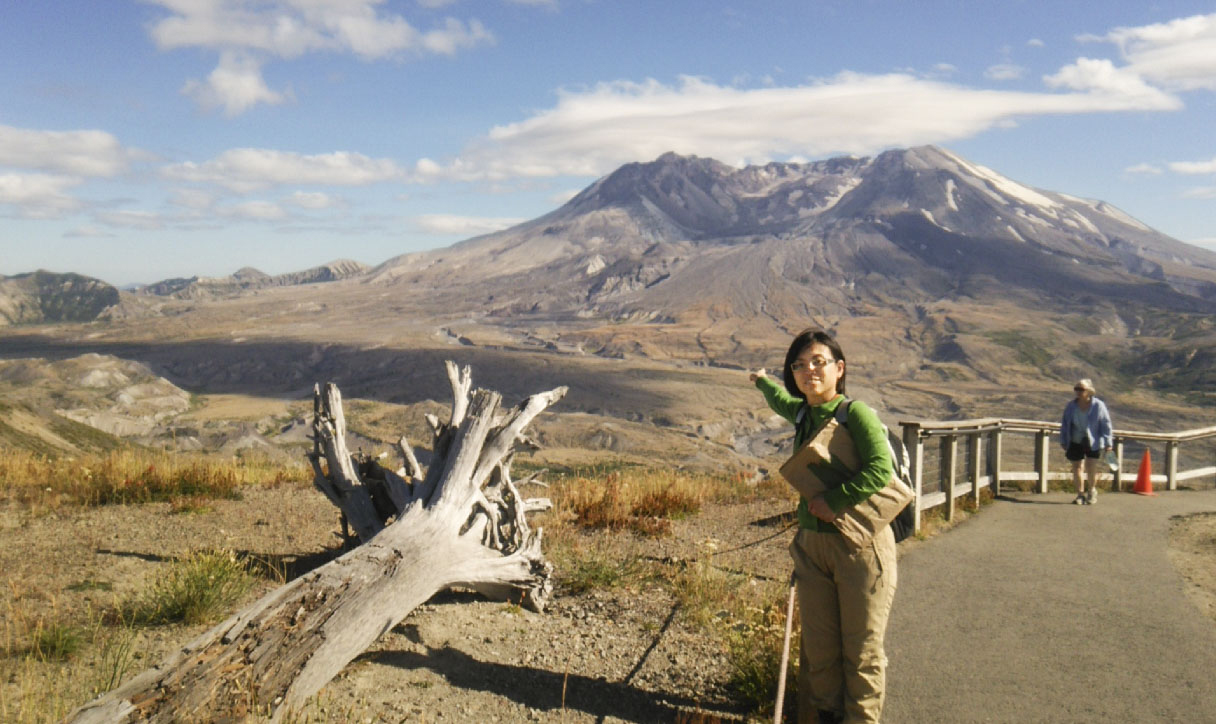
(1096, 426)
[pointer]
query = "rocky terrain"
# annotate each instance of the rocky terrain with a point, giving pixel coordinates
(45, 297)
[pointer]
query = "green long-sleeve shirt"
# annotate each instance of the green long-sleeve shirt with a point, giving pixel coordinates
(845, 487)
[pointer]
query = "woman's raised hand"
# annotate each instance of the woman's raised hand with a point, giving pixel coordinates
(757, 374)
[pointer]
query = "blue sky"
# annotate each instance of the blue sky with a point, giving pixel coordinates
(148, 139)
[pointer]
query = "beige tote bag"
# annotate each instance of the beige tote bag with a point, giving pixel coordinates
(857, 523)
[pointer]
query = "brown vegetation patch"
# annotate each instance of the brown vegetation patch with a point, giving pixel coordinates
(1193, 552)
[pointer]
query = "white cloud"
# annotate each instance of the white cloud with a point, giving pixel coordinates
(1004, 71)
(1179, 54)
(245, 32)
(1194, 167)
(1200, 192)
(1035, 43)
(1143, 169)
(248, 169)
(76, 153)
(194, 199)
(1101, 77)
(455, 36)
(590, 132)
(312, 200)
(131, 219)
(88, 232)
(256, 211)
(236, 85)
(291, 28)
(463, 225)
(38, 196)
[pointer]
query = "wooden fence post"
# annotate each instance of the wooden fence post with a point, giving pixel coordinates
(1117, 484)
(916, 453)
(1171, 465)
(973, 444)
(1040, 458)
(994, 460)
(951, 463)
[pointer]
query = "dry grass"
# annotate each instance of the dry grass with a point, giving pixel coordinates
(133, 475)
(53, 662)
(640, 500)
(746, 615)
(753, 653)
(198, 588)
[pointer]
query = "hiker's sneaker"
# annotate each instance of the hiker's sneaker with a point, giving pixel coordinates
(1079, 500)
(1093, 496)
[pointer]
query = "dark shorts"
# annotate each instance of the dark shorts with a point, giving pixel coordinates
(1080, 450)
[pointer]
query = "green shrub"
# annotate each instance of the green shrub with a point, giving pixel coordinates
(115, 658)
(195, 589)
(55, 641)
(580, 568)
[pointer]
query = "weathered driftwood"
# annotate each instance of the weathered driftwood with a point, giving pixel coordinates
(462, 523)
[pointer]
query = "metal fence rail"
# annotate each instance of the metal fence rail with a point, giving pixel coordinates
(970, 455)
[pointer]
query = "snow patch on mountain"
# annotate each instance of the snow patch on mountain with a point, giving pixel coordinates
(929, 215)
(1120, 215)
(845, 187)
(1085, 222)
(1038, 221)
(951, 198)
(1004, 185)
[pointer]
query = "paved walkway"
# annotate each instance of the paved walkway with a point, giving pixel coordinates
(1041, 611)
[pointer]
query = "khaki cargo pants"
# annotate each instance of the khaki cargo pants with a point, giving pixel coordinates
(844, 597)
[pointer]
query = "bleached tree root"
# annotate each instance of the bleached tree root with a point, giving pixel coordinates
(461, 524)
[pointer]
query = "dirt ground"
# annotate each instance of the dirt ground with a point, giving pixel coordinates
(1193, 553)
(610, 654)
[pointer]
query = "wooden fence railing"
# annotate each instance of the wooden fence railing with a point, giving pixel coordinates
(985, 441)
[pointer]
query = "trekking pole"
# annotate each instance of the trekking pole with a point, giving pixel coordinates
(785, 651)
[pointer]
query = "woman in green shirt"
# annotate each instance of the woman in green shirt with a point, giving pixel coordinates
(844, 592)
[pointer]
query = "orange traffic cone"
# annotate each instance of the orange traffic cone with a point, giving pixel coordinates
(1144, 478)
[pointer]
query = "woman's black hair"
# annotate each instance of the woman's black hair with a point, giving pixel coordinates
(805, 339)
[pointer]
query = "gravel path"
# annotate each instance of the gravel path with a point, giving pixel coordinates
(1041, 611)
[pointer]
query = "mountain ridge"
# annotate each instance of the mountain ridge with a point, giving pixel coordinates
(654, 240)
(249, 279)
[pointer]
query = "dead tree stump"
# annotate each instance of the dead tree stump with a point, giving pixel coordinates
(462, 523)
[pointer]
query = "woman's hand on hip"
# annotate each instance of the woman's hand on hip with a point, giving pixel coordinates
(821, 510)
